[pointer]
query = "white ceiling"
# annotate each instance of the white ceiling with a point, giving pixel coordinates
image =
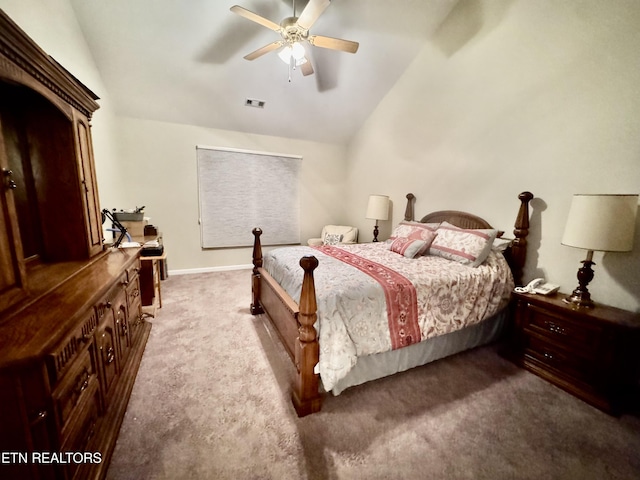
(181, 61)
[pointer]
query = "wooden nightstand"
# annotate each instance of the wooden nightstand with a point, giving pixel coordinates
(593, 353)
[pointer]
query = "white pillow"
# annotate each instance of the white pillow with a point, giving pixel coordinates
(501, 244)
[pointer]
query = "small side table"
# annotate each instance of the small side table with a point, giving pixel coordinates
(592, 353)
(150, 279)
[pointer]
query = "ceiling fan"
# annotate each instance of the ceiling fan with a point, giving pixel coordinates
(294, 32)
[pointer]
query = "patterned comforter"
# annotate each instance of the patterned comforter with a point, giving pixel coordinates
(352, 310)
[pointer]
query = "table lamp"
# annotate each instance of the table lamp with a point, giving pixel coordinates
(377, 209)
(598, 222)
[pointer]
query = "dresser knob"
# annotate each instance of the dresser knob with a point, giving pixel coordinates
(9, 182)
(39, 417)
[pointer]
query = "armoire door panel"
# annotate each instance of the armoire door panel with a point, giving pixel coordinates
(13, 278)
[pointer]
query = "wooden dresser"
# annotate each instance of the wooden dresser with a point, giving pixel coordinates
(592, 353)
(72, 332)
(68, 364)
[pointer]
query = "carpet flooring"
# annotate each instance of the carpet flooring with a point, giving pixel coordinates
(211, 401)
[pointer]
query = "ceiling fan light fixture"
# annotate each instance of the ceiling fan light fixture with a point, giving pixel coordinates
(295, 50)
(294, 31)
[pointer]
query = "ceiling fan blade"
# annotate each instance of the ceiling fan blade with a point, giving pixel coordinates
(306, 68)
(263, 50)
(312, 12)
(333, 43)
(254, 17)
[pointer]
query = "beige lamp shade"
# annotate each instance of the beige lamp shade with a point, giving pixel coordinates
(378, 207)
(601, 222)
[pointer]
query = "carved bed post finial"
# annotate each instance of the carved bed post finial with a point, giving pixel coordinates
(305, 395)
(519, 247)
(408, 213)
(256, 307)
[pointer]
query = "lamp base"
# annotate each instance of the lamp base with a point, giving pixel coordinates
(580, 297)
(375, 233)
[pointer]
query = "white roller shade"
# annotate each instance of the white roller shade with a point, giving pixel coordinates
(240, 190)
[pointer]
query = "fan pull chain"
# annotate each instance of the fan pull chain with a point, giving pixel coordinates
(292, 65)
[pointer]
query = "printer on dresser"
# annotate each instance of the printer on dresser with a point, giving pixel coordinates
(72, 332)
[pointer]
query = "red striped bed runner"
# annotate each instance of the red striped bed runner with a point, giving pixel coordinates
(399, 292)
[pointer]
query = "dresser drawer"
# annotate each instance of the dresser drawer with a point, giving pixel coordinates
(133, 270)
(59, 360)
(82, 429)
(134, 302)
(133, 295)
(580, 336)
(78, 384)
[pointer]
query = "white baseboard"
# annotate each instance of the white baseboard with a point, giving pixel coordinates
(189, 271)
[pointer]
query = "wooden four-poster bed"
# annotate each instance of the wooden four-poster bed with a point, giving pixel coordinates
(431, 338)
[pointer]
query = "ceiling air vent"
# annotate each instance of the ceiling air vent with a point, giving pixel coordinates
(252, 102)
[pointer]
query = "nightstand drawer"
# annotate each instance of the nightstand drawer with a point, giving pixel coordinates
(562, 361)
(580, 336)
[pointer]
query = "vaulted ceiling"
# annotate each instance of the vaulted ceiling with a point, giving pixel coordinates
(182, 62)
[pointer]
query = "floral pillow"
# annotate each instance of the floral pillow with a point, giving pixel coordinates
(415, 230)
(407, 226)
(408, 247)
(332, 238)
(467, 246)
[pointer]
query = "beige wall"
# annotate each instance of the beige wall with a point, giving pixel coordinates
(160, 172)
(509, 96)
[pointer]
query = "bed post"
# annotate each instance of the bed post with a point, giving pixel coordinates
(305, 396)
(408, 213)
(519, 246)
(256, 307)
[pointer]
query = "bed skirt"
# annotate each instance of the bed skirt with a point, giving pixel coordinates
(372, 367)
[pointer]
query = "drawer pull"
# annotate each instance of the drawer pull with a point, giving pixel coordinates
(548, 355)
(83, 382)
(556, 328)
(123, 328)
(111, 355)
(40, 416)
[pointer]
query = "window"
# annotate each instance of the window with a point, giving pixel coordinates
(240, 189)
